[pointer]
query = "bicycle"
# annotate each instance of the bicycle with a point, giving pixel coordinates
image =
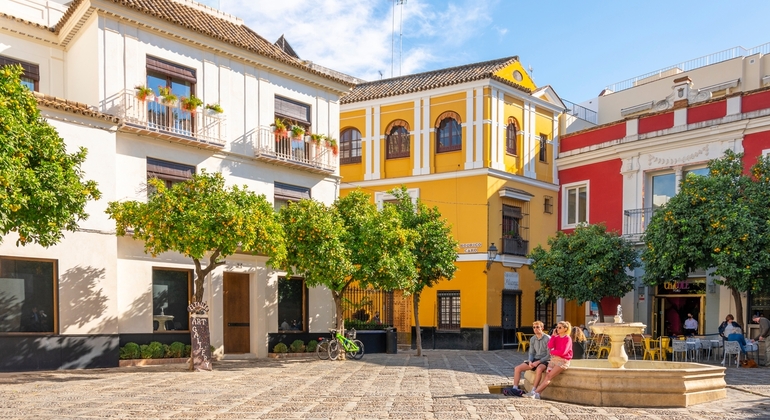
(322, 349)
(354, 348)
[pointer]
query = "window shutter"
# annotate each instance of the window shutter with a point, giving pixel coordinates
(157, 168)
(31, 71)
(171, 69)
(290, 192)
(296, 111)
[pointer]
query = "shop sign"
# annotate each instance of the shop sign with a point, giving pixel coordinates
(511, 281)
(470, 247)
(683, 287)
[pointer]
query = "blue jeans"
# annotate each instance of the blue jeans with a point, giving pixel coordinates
(739, 338)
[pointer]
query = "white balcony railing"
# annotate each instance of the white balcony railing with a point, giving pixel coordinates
(298, 153)
(200, 127)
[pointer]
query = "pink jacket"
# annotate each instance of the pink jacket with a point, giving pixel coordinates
(560, 346)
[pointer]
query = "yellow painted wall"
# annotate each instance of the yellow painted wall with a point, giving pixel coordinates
(544, 125)
(507, 73)
(354, 119)
(515, 108)
(399, 167)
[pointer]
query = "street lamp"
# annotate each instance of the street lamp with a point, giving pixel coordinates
(491, 254)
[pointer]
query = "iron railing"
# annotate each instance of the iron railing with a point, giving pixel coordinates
(201, 126)
(364, 304)
(300, 152)
(581, 112)
(693, 64)
(515, 245)
(636, 221)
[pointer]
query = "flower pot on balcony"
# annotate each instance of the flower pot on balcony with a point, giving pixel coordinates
(143, 93)
(191, 104)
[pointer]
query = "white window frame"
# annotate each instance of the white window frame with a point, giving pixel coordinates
(383, 197)
(564, 191)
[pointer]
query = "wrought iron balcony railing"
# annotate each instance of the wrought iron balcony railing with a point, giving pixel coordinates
(636, 221)
(296, 153)
(515, 245)
(202, 128)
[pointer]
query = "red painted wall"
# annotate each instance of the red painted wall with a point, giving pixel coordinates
(656, 122)
(573, 142)
(755, 102)
(753, 144)
(605, 192)
(707, 112)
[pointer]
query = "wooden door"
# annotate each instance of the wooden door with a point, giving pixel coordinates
(236, 313)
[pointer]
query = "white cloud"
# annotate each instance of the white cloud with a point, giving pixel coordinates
(354, 36)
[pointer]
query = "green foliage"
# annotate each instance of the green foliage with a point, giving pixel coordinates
(191, 103)
(586, 265)
(130, 351)
(42, 191)
(187, 350)
(364, 325)
(201, 216)
(166, 350)
(280, 348)
(215, 107)
(311, 346)
(298, 346)
(720, 221)
(156, 351)
(176, 349)
(145, 352)
(350, 241)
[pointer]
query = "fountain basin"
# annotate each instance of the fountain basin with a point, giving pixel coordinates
(642, 383)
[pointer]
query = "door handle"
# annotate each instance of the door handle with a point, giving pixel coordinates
(238, 324)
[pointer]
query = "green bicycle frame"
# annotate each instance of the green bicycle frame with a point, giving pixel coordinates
(347, 344)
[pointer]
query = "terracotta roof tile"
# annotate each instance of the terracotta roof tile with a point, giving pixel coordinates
(207, 24)
(73, 106)
(431, 80)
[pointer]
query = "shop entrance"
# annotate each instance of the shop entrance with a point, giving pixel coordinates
(510, 316)
(673, 301)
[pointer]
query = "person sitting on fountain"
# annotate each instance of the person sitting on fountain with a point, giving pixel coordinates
(560, 348)
(538, 360)
(578, 343)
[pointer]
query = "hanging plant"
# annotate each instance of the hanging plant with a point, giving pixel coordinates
(214, 108)
(144, 93)
(191, 104)
(297, 131)
(316, 138)
(279, 128)
(333, 145)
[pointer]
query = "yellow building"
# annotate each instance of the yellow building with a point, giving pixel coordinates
(478, 142)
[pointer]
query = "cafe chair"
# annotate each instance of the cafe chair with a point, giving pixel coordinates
(679, 347)
(604, 346)
(705, 346)
(731, 348)
(649, 350)
(523, 344)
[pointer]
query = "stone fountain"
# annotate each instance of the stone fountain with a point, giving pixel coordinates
(618, 382)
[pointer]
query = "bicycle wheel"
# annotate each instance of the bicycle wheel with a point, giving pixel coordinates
(357, 355)
(334, 349)
(322, 350)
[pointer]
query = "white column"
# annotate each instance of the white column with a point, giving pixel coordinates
(527, 148)
(479, 122)
(555, 148)
(369, 152)
(376, 174)
(417, 140)
(468, 124)
(426, 129)
(496, 162)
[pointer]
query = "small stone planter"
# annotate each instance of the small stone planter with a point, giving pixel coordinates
(153, 362)
(304, 355)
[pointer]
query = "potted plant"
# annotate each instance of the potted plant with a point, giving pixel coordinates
(316, 138)
(166, 96)
(279, 128)
(190, 103)
(144, 93)
(297, 131)
(332, 143)
(214, 109)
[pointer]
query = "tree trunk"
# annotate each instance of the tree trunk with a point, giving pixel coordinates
(600, 310)
(418, 338)
(340, 324)
(738, 308)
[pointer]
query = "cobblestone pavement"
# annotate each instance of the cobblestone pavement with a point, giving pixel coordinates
(443, 384)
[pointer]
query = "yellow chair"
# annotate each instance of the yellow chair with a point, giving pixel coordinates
(604, 347)
(649, 350)
(665, 348)
(523, 343)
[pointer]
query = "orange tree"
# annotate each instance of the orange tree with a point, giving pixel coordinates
(345, 243)
(586, 265)
(719, 221)
(42, 191)
(435, 250)
(201, 217)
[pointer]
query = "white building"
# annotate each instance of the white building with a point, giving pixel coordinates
(85, 57)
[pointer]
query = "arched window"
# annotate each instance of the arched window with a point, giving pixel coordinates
(350, 146)
(397, 140)
(448, 133)
(511, 131)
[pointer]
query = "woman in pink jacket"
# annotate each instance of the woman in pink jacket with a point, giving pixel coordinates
(560, 347)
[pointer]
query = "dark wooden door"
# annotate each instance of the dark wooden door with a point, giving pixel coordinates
(510, 317)
(236, 313)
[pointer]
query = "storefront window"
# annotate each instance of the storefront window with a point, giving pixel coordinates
(292, 301)
(27, 298)
(170, 298)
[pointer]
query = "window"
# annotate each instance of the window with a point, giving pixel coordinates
(397, 142)
(180, 81)
(169, 172)
(448, 136)
(575, 204)
(511, 131)
(296, 112)
(698, 171)
(515, 230)
(27, 295)
(292, 304)
(31, 76)
(350, 146)
(449, 310)
(543, 148)
(285, 193)
(382, 198)
(171, 294)
(663, 188)
(545, 312)
(548, 204)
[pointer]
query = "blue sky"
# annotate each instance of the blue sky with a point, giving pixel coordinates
(577, 47)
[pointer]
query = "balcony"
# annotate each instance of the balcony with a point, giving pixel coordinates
(515, 245)
(293, 153)
(635, 223)
(200, 128)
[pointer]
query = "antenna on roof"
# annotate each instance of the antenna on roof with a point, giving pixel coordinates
(400, 34)
(393, 38)
(531, 73)
(380, 71)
